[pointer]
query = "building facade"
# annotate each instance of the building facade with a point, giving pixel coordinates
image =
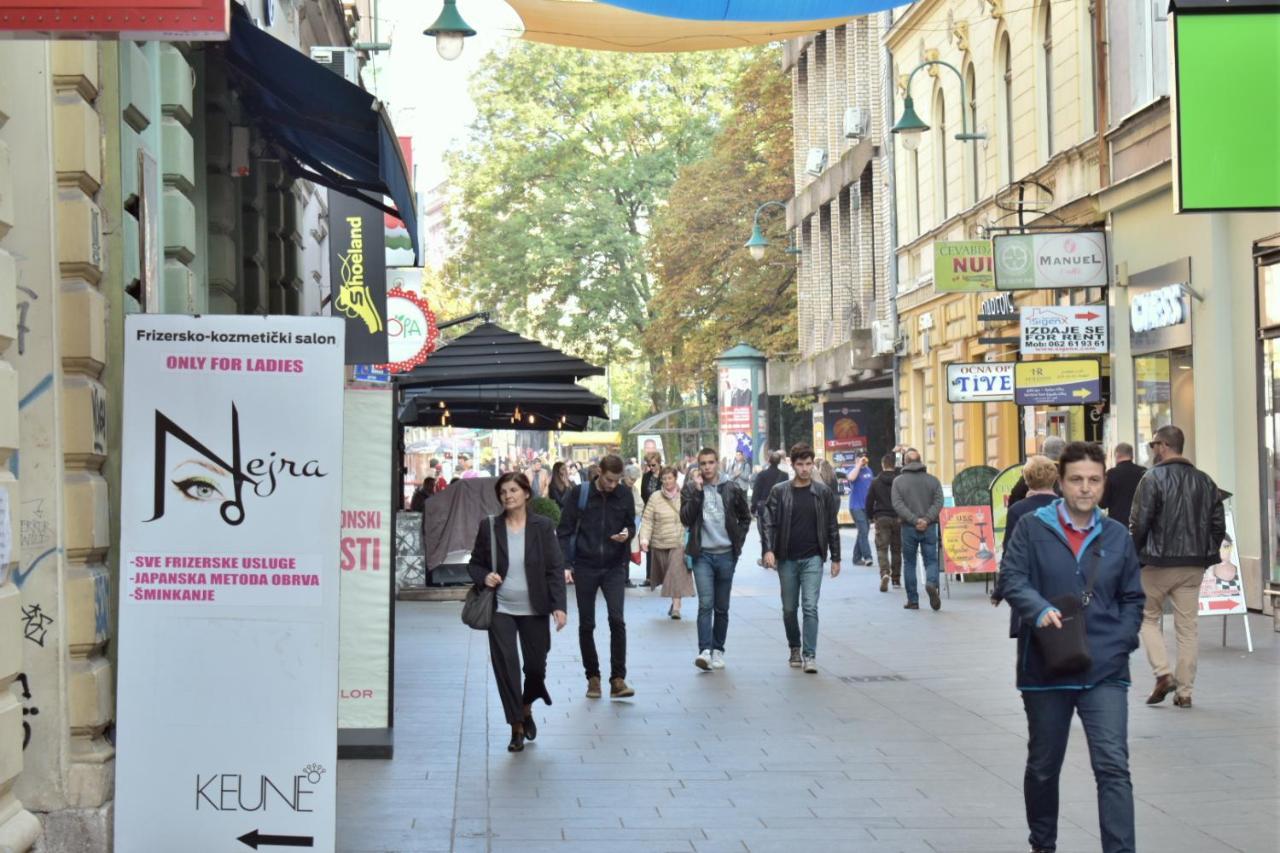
(124, 186)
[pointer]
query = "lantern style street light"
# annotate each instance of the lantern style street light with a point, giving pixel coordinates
(450, 31)
(911, 127)
(757, 243)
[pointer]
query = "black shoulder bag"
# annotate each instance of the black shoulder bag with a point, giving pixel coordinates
(1065, 650)
(481, 601)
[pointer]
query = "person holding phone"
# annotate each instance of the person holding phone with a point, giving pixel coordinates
(596, 526)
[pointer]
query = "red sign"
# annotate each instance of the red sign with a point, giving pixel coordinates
(412, 333)
(153, 20)
(735, 419)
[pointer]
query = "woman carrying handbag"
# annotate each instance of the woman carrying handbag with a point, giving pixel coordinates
(517, 555)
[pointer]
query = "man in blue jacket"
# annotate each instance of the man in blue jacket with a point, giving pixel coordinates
(1053, 553)
(860, 478)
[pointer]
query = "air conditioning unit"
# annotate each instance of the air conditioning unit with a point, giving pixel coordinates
(856, 122)
(342, 61)
(816, 164)
(882, 337)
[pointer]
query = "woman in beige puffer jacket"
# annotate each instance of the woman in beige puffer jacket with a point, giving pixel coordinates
(662, 535)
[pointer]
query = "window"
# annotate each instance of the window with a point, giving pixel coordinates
(1046, 77)
(1090, 100)
(940, 156)
(1005, 103)
(913, 164)
(972, 190)
(1137, 54)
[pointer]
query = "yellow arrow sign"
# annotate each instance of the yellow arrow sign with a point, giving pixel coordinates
(1081, 392)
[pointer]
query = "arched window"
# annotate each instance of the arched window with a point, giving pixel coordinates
(913, 163)
(1005, 106)
(1046, 76)
(939, 118)
(972, 188)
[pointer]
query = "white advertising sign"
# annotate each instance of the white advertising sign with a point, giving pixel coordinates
(984, 382)
(1064, 330)
(1048, 261)
(364, 677)
(227, 696)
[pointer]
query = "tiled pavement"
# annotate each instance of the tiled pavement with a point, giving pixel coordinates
(911, 738)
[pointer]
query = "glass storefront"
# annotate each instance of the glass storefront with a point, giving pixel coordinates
(1164, 394)
(1269, 324)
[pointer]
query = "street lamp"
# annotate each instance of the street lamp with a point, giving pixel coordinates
(757, 243)
(911, 127)
(450, 31)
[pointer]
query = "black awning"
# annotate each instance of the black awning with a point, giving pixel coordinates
(491, 355)
(541, 406)
(328, 130)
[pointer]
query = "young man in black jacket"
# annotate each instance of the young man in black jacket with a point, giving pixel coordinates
(799, 527)
(885, 519)
(595, 543)
(715, 511)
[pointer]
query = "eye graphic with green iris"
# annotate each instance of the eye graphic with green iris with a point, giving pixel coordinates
(198, 489)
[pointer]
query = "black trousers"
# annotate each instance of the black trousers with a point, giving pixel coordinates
(613, 583)
(534, 633)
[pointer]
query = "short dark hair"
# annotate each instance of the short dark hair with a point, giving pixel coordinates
(800, 450)
(1172, 436)
(912, 455)
(709, 451)
(888, 461)
(611, 464)
(1124, 449)
(513, 477)
(1080, 451)
(776, 457)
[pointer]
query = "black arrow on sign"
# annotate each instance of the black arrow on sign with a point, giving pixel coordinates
(255, 838)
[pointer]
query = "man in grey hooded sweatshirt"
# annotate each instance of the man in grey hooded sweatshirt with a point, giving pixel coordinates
(917, 499)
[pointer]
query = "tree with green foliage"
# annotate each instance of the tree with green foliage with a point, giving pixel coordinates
(570, 155)
(710, 294)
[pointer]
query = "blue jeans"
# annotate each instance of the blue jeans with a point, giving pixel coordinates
(801, 580)
(914, 541)
(862, 546)
(713, 575)
(1104, 713)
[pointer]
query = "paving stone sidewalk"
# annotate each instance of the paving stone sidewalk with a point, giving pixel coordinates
(911, 738)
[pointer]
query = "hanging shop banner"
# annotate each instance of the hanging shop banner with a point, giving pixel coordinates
(1059, 330)
(412, 333)
(227, 696)
(1001, 487)
(1066, 382)
(963, 266)
(358, 277)
(967, 539)
(1048, 261)
(1222, 590)
(980, 382)
(364, 671)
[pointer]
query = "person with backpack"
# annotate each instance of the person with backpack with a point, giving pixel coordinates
(595, 531)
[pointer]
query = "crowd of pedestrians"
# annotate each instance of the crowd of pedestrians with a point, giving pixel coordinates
(1084, 588)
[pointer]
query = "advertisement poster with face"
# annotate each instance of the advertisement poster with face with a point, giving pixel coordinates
(1221, 590)
(227, 696)
(735, 412)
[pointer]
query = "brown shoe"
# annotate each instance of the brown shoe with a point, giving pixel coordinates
(884, 583)
(619, 689)
(593, 687)
(1164, 686)
(1182, 701)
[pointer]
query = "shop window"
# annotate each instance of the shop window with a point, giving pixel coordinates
(1269, 321)
(1164, 394)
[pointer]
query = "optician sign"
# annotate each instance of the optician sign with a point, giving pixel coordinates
(151, 20)
(982, 382)
(227, 694)
(1065, 382)
(1048, 261)
(1064, 330)
(963, 266)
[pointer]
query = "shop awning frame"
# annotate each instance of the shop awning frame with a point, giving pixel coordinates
(492, 355)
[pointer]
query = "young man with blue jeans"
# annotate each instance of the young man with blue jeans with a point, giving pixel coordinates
(715, 511)
(1063, 552)
(917, 499)
(800, 523)
(860, 478)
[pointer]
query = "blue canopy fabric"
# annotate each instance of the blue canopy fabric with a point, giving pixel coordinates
(754, 10)
(328, 131)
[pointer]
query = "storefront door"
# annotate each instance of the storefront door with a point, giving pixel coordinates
(1268, 276)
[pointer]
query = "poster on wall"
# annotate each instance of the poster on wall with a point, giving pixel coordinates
(963, 266)
(1063, 330)
(967, 538)
(227, 696)
(364, 673)
(646, 444)
(736, 411)
(358, 277)
(1051, 261)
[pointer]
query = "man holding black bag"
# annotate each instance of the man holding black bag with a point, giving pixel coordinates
(1073, 579)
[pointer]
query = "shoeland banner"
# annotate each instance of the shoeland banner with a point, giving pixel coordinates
(227, 695)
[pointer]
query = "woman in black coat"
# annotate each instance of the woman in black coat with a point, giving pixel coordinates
(529, 580)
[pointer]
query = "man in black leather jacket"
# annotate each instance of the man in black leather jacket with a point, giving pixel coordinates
(1177, 522)
(798, 528)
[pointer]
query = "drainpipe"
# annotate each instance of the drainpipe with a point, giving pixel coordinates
(886, 57)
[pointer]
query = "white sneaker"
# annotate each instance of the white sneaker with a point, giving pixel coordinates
(703, 660)
(810, 664)
(717, 659)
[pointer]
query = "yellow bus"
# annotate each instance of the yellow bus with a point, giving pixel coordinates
(586, 447)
